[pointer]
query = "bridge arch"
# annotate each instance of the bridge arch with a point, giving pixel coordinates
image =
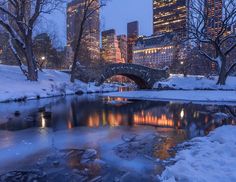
(143, 76)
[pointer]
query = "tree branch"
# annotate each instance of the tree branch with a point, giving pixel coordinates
(231, 68)
(230, 49)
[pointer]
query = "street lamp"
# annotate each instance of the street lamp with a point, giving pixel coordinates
(181, 62)
(43, 58)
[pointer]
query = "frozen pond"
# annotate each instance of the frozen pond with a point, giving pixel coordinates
(90, 138)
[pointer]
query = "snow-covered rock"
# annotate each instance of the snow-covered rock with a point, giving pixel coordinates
(210, 158)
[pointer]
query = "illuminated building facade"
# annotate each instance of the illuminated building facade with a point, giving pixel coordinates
(89, 52)
(122, 40)
(213, 10)
(110, 47)
(132, 37)
(170, 16)
(213, 13)
(154, 51)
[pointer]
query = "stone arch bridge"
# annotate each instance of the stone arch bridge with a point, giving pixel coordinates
(143, 76)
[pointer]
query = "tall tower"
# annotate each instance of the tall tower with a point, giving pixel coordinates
(122, 40)
(213, 11)
(132, 33)
(89, 52)
(170, 16)
(110, 47)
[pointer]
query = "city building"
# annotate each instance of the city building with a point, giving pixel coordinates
(214, 15)
(214, 11)
(110, 47)
(89, 52)
(122, 40)
(154, 51)
(132, 36)
(170, 16)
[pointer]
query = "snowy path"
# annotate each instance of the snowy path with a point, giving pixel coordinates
(196, 95)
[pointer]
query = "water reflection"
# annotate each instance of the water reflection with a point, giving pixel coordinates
(94, 111)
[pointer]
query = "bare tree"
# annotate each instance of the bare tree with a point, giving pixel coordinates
(20, 19)
(215, 41)
(88, 8)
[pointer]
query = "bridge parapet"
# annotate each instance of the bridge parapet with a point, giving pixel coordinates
(143, 76)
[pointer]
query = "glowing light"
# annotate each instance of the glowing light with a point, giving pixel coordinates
(182, 114)
(43, 122)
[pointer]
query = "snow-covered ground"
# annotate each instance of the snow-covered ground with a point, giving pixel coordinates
(14, 85)
(195, 82)
(181, 95)
(190, 88)
(211, 158)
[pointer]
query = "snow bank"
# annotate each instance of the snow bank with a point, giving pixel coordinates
(211, 158)
(195, 82)
(13, 85)
(194, 95)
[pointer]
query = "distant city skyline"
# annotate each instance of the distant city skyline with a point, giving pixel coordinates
(115, 15)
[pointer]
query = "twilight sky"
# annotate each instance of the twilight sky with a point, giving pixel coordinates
(118, 12)
(115, 15)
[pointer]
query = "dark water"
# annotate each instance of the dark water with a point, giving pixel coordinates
(94, 111)
(91, 120)
(184, 120)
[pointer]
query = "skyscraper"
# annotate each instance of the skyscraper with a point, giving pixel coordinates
(122, 41)
(110, 47)
(170, 16)
(132, 33)
(214, 11)
(89, 52)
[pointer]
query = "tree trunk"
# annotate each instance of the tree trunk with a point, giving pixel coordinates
(223, 73)
(78, 44)
(77, 48)
(72, 78)
(31, 62)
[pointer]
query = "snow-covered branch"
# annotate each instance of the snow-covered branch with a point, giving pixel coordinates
(21, 65)
(20, 19)
(12, 33)
(209, 57)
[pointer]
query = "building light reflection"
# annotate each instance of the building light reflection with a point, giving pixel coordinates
(93, 121)
(43, 121)
(69, 125)
(111, 119)
(149, 119)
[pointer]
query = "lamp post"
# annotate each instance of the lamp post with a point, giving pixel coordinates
(43, 59)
